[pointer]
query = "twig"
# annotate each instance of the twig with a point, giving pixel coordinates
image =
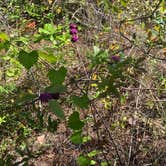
(52, 6)
(73, 16)
(142, 89)
(159, 100)
(130, 149)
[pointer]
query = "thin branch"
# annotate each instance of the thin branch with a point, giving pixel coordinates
(143, 89)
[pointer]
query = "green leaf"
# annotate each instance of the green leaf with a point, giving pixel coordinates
(3, 90)
(83, 161)
(115, 9)
(25, 97)
(81, 102)
(48, 57)
(57, 76)
(93, 162)
(76, 138)
(41, 30)
(2, 162)
(74, 121)
(104, 164)
(56, 89)
(48, 29)
(23, 40)
(86, 139)
(55, 107)
(28, 59)
(93, 153)
(96, 50)
(99, 56)
(2, 119)
(124, 3)
(4, 45)
(4, 36)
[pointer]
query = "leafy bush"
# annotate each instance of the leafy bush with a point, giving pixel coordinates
(84, 69)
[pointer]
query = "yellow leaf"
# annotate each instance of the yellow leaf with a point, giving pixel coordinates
(50, 2)
(58, 10)
(114, 46)
(93, 85)
(94, 77)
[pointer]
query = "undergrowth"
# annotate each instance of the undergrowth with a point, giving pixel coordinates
(82, 83)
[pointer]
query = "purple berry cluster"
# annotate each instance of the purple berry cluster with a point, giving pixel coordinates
(45, 97)
(73, 32)
(115, 58)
